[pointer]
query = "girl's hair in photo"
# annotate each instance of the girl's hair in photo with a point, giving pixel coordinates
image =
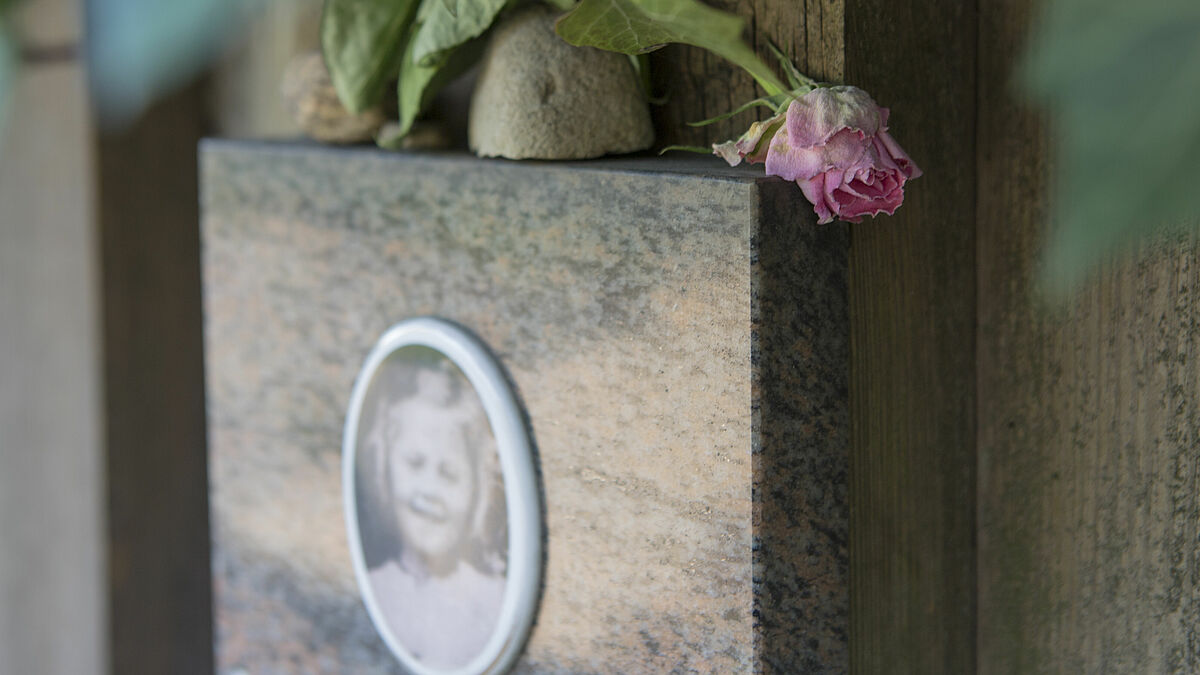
(407, 374)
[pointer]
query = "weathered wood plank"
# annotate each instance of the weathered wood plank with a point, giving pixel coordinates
(699, 85)
(1089, 503)
(159, 604)
(52, 589)
(912, 308)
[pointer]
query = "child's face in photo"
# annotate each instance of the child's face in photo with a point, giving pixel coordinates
(433, 477)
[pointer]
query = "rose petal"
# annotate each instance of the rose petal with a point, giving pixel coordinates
(833, 181)
(881, 159)
(728, 151)
(897, 153)
(814, 191)
(791, 163)
(815, 117)
(849, 206)
(845, 149)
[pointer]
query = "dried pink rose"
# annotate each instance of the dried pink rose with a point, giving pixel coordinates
(834, 144)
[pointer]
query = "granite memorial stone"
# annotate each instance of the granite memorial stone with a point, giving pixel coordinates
(676, 329)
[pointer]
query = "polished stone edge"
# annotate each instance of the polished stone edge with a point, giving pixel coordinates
(801, 428)
(678, 164)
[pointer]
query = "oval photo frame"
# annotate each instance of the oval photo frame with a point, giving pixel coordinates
(422, 520)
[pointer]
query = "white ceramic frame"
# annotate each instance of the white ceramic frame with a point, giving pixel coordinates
(524, 571)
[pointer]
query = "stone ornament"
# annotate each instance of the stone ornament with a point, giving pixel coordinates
(539, 98)
(309, 97)
(441, 502)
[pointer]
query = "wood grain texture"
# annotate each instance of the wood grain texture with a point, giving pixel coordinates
(245, 94)
(52, 586)
(699, 85)
(912, 311)
(159, 604)
(47, 23)
(1089, 502)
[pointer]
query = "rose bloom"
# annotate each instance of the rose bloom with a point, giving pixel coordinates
(835, 145)
(833, 142)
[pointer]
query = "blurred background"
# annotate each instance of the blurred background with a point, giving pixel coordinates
(103, 521)
(1026, 495)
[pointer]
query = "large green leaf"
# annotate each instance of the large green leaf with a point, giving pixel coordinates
(419, 84)
(445, 24)
(1123, 82)
(363, 42)
(640, 26)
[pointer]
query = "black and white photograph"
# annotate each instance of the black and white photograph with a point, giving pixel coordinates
(430, 502)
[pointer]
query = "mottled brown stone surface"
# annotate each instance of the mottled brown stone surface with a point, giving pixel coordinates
(676, 330)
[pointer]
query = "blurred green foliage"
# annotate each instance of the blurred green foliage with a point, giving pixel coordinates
(420, 82)
(423, 44)
(442, 45)
(363, 38)
(443, 25)
(8, 67)
(8, 61)
(1122, 81)
(640, 26)
(363, 43)
(139, 50)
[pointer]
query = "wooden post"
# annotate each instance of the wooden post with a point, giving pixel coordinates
(912, 313)
(698, 85)
(913, 301)
(1089, 502)
(51, 425)
(158, 557)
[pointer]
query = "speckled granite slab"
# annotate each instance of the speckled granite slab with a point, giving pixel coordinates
(676, 329)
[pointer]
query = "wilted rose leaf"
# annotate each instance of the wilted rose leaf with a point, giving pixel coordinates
(442, 28)
(363, 42)
(640, 26)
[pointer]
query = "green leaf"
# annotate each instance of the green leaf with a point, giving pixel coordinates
(442, 28)
(776, 104)
(363, 42)
(419, 84)
(641, 66)
(686, 148)
(796, 79)
(1123, 82)
(6, 4)
(8, 67)
(640, 26)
